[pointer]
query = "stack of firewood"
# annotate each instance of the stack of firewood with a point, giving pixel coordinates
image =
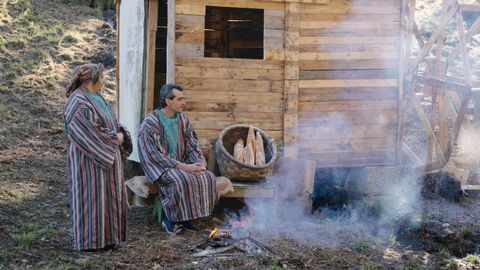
(251, 152)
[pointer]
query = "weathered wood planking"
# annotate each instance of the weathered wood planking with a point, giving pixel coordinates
(292, 55)
(189, 31)
(348, 83)
(348, 40)
(348, 86)
(370, 117)
(350, 145)
(190, 7)
(344, 130)
(356, 105)
(219, 120)
(331, 60)
(348, 64)
(347, 47)
(393, 10)
(201, 84)
(343, 94)
(233, 107)
(274, 34)
(152, 23)
(229, 63)
(322, 17)
(234, 97)
(230, 73)
(345, 74)
(347, 159)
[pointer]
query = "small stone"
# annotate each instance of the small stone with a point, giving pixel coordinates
(445, 233)
(433, 226)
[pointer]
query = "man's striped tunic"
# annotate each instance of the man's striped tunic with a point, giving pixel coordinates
(184, 196)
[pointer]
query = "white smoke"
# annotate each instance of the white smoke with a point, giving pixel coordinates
(376, 216)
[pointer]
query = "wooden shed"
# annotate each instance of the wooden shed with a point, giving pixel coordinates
(320, 76)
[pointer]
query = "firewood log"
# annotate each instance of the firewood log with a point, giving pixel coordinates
(259, 150)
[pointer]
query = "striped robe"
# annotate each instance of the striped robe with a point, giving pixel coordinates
(95, 173)
(184, 196)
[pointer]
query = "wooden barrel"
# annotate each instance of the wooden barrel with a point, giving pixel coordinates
(237, 170)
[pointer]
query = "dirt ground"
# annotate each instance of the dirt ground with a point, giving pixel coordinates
(40, 42)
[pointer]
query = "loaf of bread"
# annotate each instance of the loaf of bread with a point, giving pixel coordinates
(249, 157)
(259, 150)
(251, 138)
(239, 150)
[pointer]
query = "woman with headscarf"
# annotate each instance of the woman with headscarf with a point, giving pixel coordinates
(97, 146)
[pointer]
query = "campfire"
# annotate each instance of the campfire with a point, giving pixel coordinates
(219, 241)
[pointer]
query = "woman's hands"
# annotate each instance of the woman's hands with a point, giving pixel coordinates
(195, 168)
(120, 138)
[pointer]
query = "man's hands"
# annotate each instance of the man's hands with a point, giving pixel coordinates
(195, 168)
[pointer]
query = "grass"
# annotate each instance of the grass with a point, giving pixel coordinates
(4, 110)
(32, 234)
(72, 37)
(472, 259)
(362, 247)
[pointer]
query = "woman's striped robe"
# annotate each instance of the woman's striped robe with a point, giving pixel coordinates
(95, 173)
(184, 196)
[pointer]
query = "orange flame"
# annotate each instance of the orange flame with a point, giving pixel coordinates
(212, 233)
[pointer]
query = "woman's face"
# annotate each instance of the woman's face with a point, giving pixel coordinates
(101, 81)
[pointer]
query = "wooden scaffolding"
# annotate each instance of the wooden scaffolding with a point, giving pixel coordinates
(430, 71)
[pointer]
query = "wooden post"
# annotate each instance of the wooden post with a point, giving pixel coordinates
(429, 89)
(151, 45)
(466, 73)
(171, 41)
(401, 76)
(426, 124)
(434, 65)
(292, 36)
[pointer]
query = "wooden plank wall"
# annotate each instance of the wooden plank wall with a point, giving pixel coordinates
(342, 67)
(223, 91)
(348, 82)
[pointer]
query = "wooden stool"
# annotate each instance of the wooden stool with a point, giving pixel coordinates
(263, 189)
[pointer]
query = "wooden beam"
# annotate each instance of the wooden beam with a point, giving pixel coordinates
(440, 83)
(438, 31)
(418, 35)
(473, 29)
(151, 45)
(426, 124)
(470, 7)
(411, 154)
(170, 41)
(461, 116)
(292, 70)
(443, 133)
(440, 70)
(463, 44)
(255, 190)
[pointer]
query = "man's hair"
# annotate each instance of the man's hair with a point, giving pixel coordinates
(167, 92)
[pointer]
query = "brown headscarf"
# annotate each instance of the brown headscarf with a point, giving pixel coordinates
(82, 74)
